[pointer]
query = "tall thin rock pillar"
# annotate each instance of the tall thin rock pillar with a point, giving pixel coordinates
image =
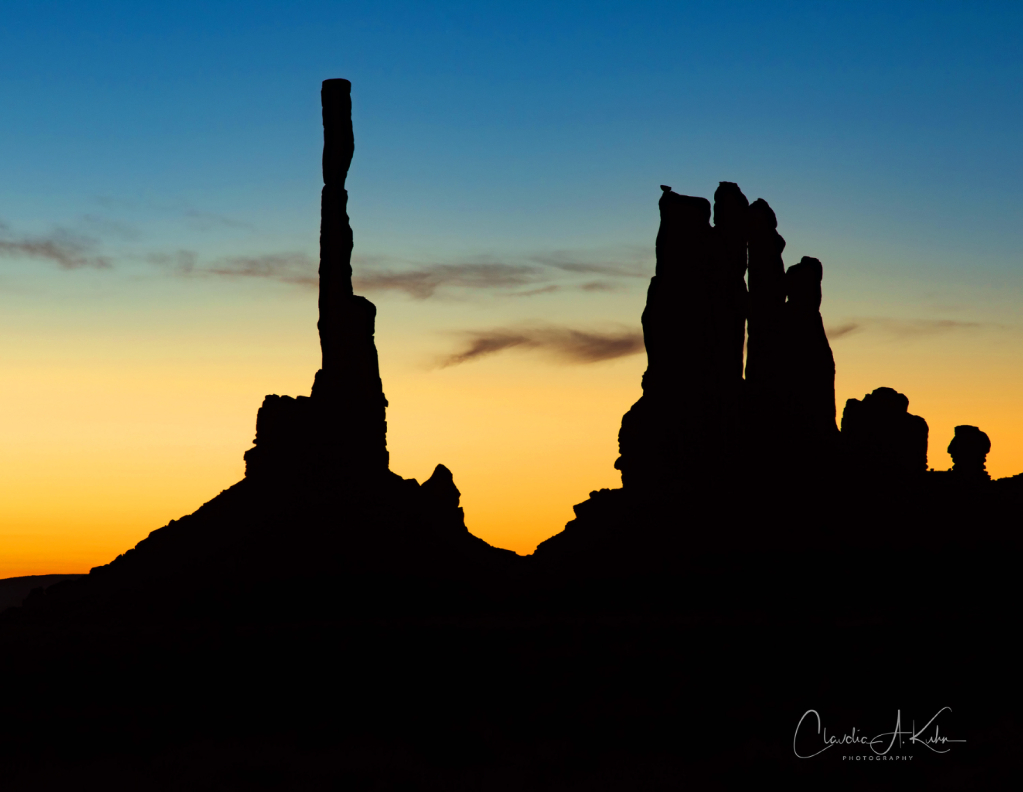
(348, 383)
(336, 241)
(342, 428)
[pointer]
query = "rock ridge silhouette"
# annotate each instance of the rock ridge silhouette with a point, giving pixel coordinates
(714, 461)
(318, 499)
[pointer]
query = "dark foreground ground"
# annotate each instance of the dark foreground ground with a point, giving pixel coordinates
(14, 590)
(694, 680)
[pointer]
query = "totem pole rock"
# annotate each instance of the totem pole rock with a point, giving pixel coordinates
(342, 427)
(348, 383)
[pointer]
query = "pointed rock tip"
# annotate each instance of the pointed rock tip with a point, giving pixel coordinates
(440, 487)
(441, 473)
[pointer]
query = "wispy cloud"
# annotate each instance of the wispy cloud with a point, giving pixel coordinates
(564, 343)
(66, 249)
(539, 273)
(842, 330)
(923, 327)
(600, 286)
(549, 289)
(376, 274)
(295, 268)
(616, 262)
(903, 329)
(521, 276)
(524, 276)
(425, 282)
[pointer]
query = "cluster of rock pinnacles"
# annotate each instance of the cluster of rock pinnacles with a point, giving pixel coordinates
(705, 413)
(699, 417)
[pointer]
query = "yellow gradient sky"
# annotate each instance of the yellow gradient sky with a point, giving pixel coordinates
(109, 434)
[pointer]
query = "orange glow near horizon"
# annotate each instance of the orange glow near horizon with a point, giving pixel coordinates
(98, 454)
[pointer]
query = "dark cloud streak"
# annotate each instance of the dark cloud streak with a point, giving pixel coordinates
(67, 250)
(565, 343)
(381, 274)
(599, 286)
(549, 289)
(423, 283)
(295, 268)
(903, 329)
(843, 330)
(923, 327)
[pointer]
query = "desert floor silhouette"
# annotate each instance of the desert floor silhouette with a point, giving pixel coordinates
(325, 623)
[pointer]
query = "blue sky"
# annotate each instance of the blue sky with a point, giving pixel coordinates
(533, 125)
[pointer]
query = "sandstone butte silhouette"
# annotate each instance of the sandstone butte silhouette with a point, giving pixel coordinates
(325, 623)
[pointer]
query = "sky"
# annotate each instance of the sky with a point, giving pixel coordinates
(159, 213)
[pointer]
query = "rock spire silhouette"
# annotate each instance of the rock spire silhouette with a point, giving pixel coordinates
(686, 422)
(765, 346)
(342, 428)
(808, 373)
(698, 418)
(702, 435)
